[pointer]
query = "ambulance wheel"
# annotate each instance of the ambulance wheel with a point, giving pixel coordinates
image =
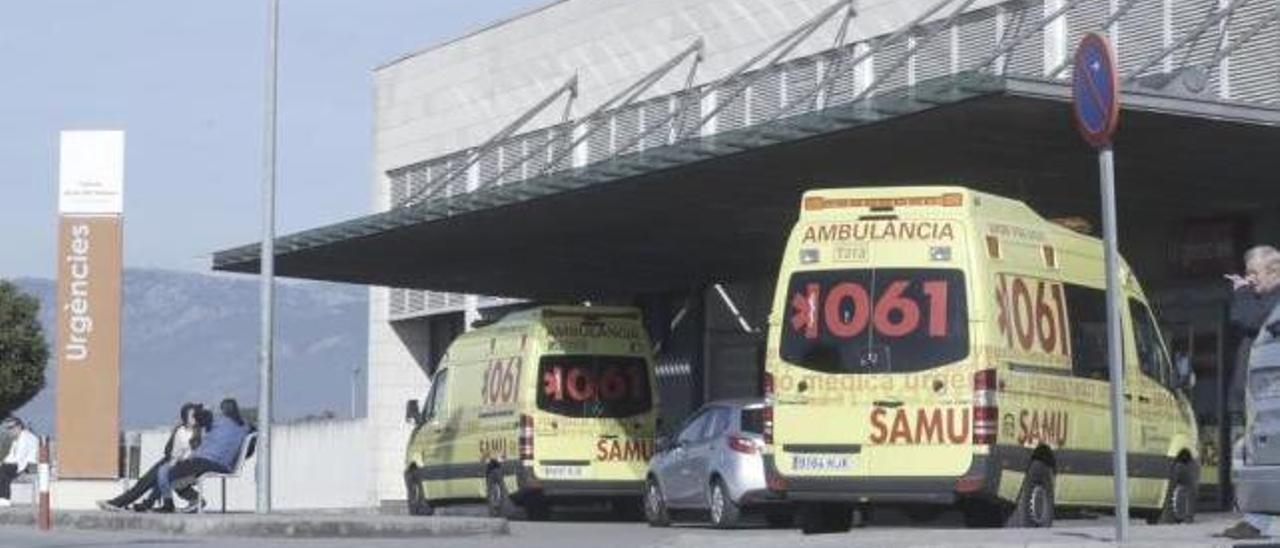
(1180, 497)
(655, 505)
(496, 496)
(826, 518)
(724, 512)
(416, 495)
(1034, 507)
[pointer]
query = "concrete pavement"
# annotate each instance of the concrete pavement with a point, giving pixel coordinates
(286, 525)
(593, 531)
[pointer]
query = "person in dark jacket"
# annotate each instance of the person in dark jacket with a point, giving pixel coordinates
(1256, 295)
(183, 440)
(1253, 297)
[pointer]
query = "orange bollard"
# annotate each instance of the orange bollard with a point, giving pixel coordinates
(45, 515)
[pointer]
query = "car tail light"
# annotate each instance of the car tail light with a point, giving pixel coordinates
(986, 412)
(525, 437)
(742, 445)
(768, 385)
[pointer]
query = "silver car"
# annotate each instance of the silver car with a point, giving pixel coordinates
(713, 466)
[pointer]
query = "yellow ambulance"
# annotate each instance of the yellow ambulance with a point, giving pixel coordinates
(546, 405)
(933, 347)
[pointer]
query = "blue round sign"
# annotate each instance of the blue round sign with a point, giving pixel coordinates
(1094, 93)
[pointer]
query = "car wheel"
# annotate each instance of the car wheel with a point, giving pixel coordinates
(416, 495)
(724, 512)
(496, 496)
(655, 505)
(1034, 507)
(1180, 497)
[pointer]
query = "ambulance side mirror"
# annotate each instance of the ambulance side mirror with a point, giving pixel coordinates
(412, 413)
(1186, 376)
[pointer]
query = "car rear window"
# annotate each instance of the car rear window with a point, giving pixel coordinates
(875, 320)
(579, 385)
(753, 421)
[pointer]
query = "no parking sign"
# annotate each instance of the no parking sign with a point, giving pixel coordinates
(1095, 101)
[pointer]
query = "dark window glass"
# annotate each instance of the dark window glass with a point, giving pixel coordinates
(692, 430)
(718, 424)
(594, 386)
(883, 320)
(435, 404)
(1087, 314)
(753, 421)
(1152, 358)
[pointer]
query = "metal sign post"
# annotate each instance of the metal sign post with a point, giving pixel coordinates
(1096, 104)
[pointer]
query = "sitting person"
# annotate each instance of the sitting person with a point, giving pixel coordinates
(19, 459)
(183, 439)
(218, 452)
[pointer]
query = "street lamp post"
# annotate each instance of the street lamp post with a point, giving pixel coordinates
(267, 260)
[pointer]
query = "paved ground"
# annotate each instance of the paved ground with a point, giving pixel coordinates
(589, 531)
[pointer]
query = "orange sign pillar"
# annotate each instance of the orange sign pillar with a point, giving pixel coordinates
(90, 250)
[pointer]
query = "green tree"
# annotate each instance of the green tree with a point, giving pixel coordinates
(23, 350)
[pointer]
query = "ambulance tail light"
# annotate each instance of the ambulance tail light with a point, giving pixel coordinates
(767, 412)
(525, 437)
(986, 411)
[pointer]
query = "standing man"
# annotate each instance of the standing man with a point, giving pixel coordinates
(1254, 307)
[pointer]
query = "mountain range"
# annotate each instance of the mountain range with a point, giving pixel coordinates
(194, 337)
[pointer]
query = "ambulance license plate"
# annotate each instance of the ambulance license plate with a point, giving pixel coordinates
(561, 471)
(817, 462)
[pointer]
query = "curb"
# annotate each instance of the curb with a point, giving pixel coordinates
(269, 526)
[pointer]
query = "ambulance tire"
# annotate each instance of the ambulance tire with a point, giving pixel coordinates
(655, 505)
(1034, 507)
(496, 496)
(816, 519)
(1179, 499)
(416, 495)
(725, 513)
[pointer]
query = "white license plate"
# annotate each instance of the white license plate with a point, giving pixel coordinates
(821, 463)
(558, 471)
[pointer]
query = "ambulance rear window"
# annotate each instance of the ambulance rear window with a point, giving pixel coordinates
(594, 386)
(752, 421)
(883, 320)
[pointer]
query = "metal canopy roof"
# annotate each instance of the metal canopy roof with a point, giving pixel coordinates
(719, 208)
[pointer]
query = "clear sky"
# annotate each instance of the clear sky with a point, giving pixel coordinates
(185, 80)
